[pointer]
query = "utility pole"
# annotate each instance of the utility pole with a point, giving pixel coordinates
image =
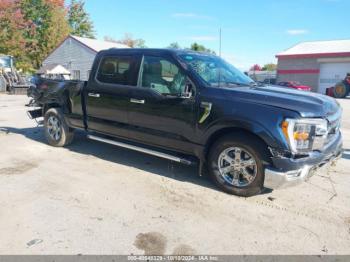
(220, 55)
(220, 41)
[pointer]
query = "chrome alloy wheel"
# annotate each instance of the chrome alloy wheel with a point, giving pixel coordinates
(54, 128)
(237, 167)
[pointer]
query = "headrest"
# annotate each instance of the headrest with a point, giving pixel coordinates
(108, 69)
(153, 66)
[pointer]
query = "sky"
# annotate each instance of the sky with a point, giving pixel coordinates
(253, 31)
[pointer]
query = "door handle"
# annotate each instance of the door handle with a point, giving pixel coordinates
(94, 95)
(137, 101)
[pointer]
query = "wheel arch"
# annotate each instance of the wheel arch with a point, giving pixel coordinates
(218, 134)
(50, 105)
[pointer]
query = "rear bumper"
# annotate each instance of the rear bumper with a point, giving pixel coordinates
(290, 172)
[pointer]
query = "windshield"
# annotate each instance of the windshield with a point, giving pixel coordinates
(215, 71)
(5, 62)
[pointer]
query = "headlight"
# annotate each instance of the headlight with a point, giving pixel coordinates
(305, 135)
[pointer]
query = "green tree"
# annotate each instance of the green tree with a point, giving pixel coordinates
(12, 24)
(128, 40)
(79, 20)
(48, 27)
(31, 29)
(269, 67)
(201, 48)
(174, 45)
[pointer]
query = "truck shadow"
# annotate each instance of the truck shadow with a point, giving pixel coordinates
(114, 154)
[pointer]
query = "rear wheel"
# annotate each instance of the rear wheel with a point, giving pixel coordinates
(56, 130)
(340, 90)
(236, 164)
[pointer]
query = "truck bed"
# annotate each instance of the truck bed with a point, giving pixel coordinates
(45, 89)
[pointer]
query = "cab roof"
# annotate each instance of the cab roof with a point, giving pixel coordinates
(164, 51)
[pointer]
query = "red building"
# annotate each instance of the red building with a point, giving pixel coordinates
(319, 64)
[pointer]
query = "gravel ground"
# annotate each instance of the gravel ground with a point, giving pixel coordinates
(93, 198)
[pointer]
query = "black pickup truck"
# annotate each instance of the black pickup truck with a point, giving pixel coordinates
(190, 108)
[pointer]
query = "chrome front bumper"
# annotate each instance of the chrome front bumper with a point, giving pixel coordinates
(275, 179)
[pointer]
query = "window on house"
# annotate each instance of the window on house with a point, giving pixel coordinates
(76, 74)
(116, 70)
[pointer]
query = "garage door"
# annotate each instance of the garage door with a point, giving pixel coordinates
(332, 73)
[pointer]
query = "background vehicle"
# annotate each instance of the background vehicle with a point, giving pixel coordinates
(10, 79)
(270, 81)
(295, 85)
(341, 89)
(190, 107)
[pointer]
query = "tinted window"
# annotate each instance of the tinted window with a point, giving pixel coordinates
(115, 70)
(162, 76)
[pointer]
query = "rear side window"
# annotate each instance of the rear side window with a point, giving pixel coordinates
(116, 70)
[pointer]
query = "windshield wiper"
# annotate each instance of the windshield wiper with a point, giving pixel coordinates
(256, 84)
(234, 83)
(228, 83)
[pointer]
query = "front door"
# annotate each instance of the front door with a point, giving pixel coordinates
(108, 95)
(159, 113)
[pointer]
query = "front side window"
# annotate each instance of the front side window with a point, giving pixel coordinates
(115, 70)
(214, 71)
(163, 76)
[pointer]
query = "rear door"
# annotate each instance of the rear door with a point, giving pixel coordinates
(159, 114)
(107, 95)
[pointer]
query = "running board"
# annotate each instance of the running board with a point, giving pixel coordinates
(143, 150)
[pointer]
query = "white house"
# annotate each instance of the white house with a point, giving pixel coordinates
(77, 55)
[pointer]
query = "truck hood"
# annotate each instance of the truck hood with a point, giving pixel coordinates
(307, 104)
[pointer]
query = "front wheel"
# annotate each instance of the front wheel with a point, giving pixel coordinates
(56, 130)
(236, 164)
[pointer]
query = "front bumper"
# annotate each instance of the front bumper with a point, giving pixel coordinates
(288, 172)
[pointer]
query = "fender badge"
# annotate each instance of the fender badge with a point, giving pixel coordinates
(207, 109)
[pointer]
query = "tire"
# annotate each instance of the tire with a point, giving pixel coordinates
(57, 132)
(340, 90)
(249, 149)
